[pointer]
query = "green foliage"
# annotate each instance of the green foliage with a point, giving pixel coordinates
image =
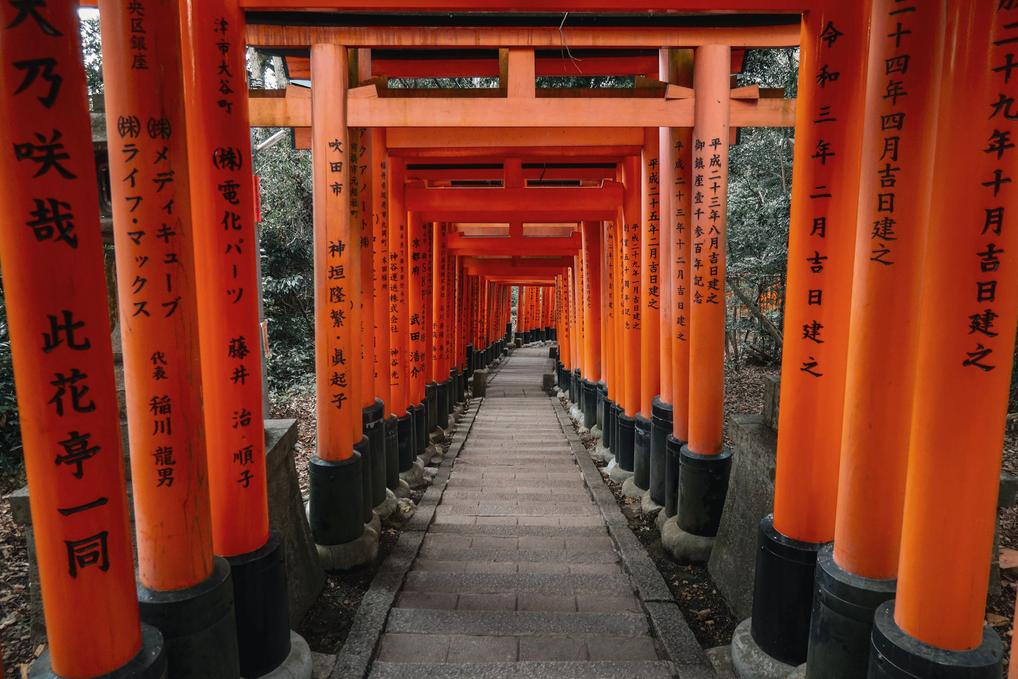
(91, 48)
(287, 260)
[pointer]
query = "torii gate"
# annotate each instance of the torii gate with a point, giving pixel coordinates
(865, 150)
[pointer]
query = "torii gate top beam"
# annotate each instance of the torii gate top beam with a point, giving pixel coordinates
(712, 6)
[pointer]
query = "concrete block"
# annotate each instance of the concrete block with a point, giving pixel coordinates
(750, 661)
(750, 497)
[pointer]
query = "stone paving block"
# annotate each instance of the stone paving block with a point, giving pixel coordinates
(487, 602)
(602, 603)
(441, 600)
(427, 581)
(542, 568)
(621, 648)
(463, 648)
(532, 623)
(542, 601)
(595, 568)
(552, 648)
(413, 648)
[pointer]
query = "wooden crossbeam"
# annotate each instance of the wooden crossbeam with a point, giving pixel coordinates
(720, 6)
(519, 246)
(528, 113)
(544, 204)
(403, 37)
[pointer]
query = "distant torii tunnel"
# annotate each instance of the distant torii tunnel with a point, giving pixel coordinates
(601, 212)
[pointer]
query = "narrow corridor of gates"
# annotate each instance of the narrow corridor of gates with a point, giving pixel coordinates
(517, 575)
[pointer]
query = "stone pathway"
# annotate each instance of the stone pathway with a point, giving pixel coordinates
(517, 575)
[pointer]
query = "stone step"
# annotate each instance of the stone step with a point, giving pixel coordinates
(424, 581)
(574, 494)
(522, 601)
(656, 669)
(558, 509)
(575, 521)
(525, 542)
(515, 623)
(484, 555)
(524, 567)
(520, 530)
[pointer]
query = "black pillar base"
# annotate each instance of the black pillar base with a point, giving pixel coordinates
(442, 404)
(461, 386)
(198, 625)
(336, 505)
(430, 407)
(608, 424)
(405, 441)
(262, 607)
(842, 620)
(392, 453)
(626, 431)
(363, 447)
(616, 437)
(601, 393)
(897, 655)
(374, 430)
(703, 485)
(589, 403)
(783, 594)
(470, 361)
(641, 453)
(661, 427)
(149, 663)
(420, 440)
(575, 389)
(673, 451)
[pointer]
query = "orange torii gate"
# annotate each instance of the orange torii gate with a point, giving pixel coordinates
(393, 233)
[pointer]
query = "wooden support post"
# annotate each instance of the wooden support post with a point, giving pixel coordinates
(226, 255)
(397, 307)
(337, 472)
(650, 271)
(56, 302)
(709, 206)
(890, 240)
(380, 265)
(969, 304)
(360, 213)
(591, 254)
(820, 261)
(416, 344)
(631, 253)
(158, 308)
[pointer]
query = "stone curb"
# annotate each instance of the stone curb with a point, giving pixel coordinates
(354, 658)
(665, 617)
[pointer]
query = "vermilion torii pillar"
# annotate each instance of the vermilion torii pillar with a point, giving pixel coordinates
(55, 291)
(336, 508)
(650, 311)
(676, 182)
(629, 357)
(380, 271)
(608, 407)
(219, 163)
(821, 246)
(154, 235)
(440, 325)
(398, 318)
(703, 463)
(416, 246)
(969, 305)
(373, 408)
(890, 240)
(591, 253)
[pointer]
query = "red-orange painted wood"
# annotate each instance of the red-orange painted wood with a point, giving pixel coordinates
(969, 308)
(154, 234)
(821, 245)
(650, 272)
(890, 241)
(337, 331)
(56, 304)
(397, 315)
(709, 237)
(380, 265)
(630, 359)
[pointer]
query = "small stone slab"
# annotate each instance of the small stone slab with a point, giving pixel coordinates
(509, 623)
